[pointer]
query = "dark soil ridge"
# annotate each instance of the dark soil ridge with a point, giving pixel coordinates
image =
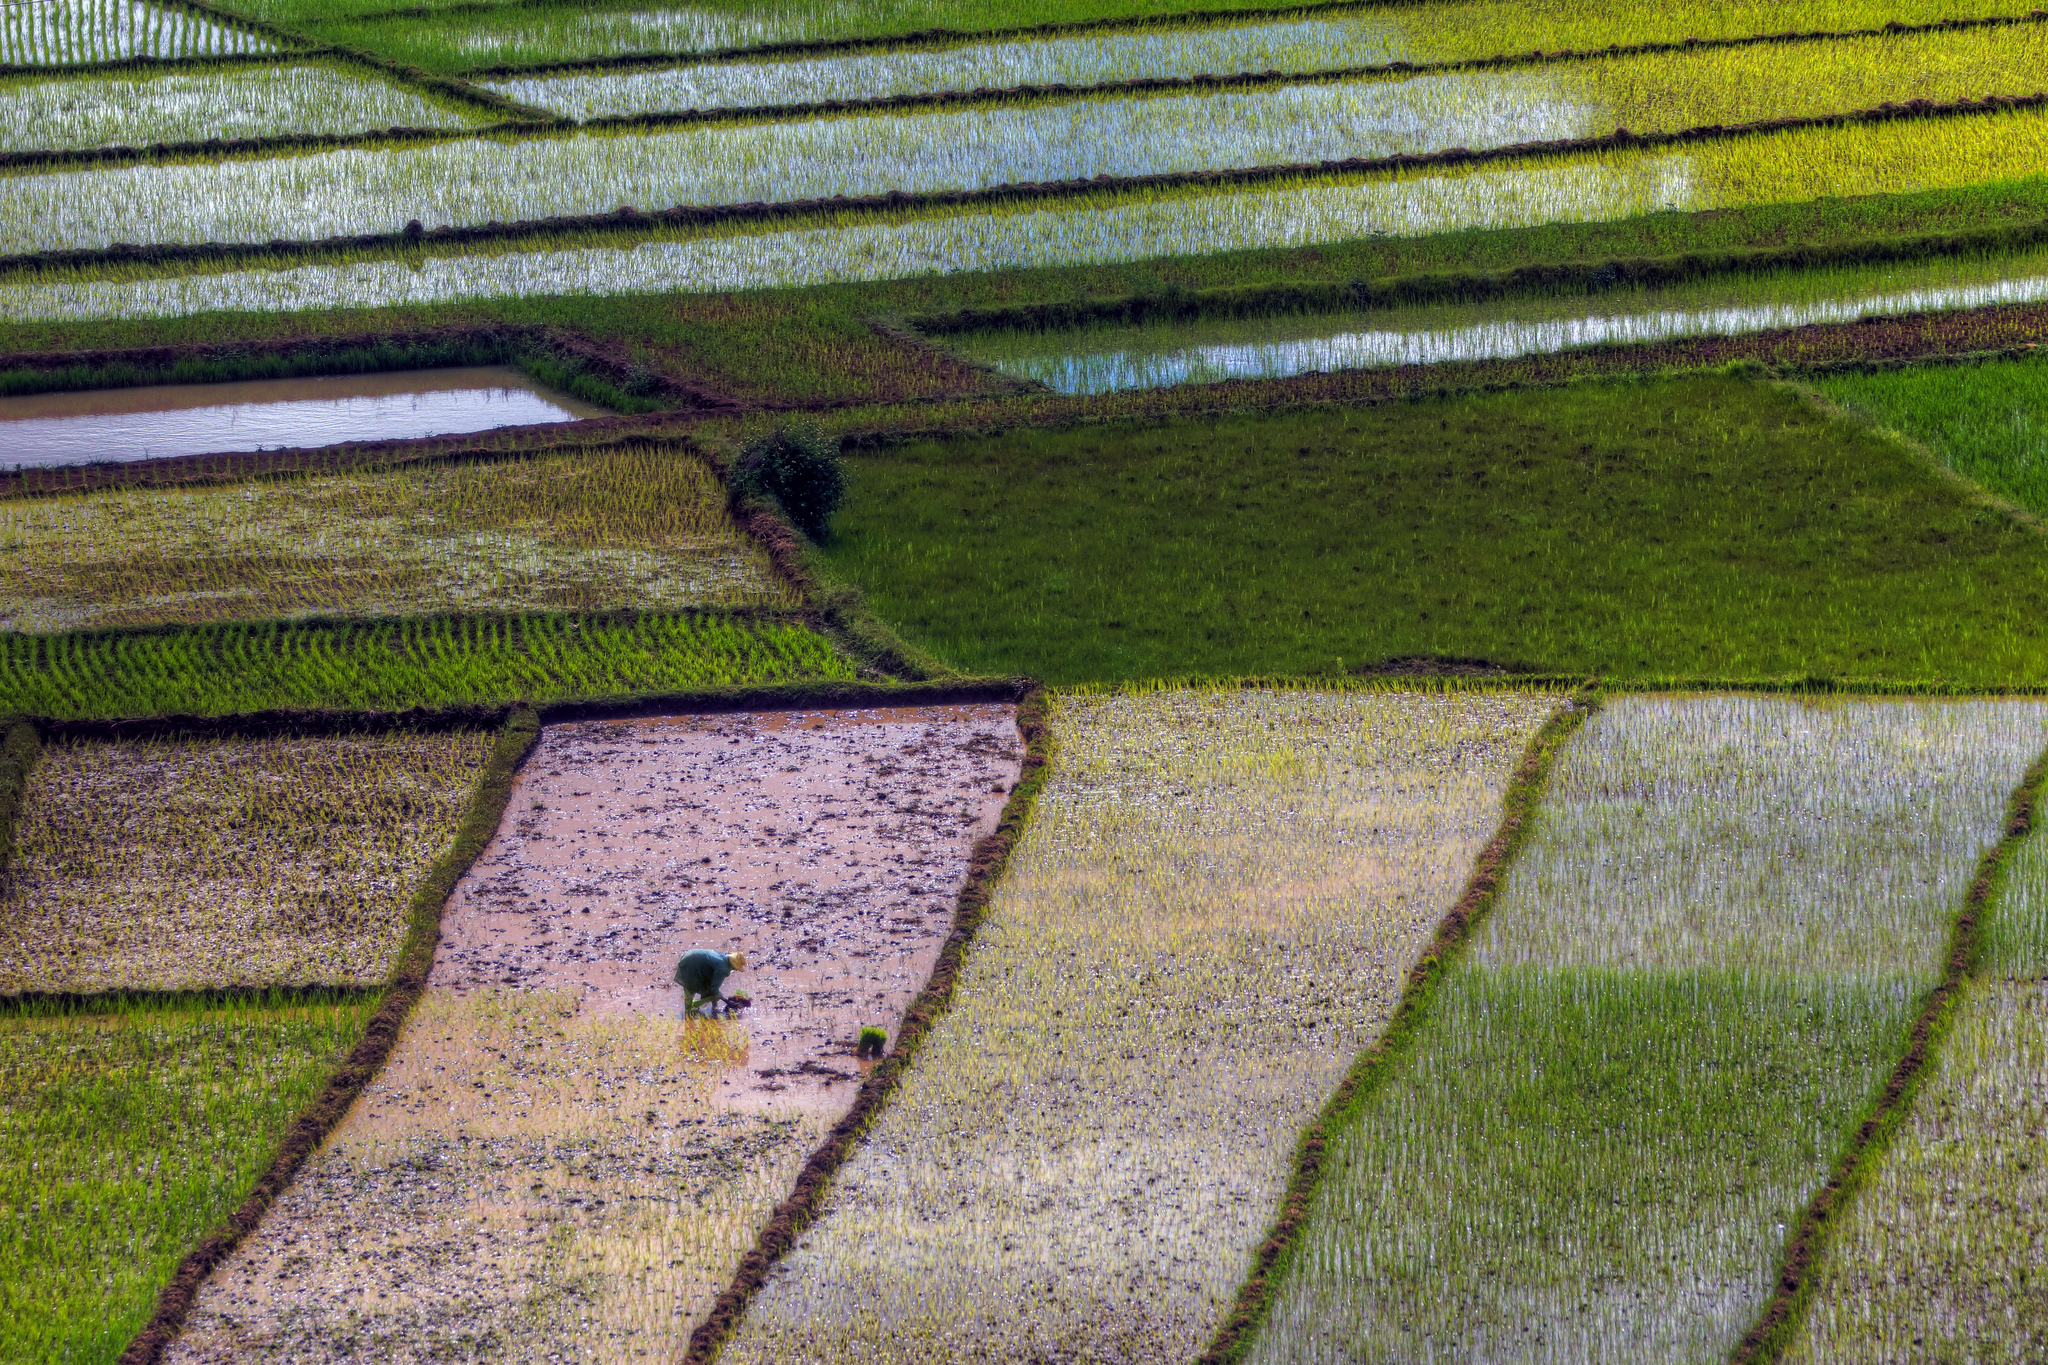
(407, 983)
(985, 868)
(1591, 278)
(20, 747)
(1234, 1339)
(114, 66)
(1786, 1310)
(152, 365)
(800, 695)
(628, 217)
(1217, 81)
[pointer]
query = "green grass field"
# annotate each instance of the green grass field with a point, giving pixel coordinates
(1683, 527)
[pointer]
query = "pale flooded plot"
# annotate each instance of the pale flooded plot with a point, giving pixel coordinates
(68, 32)
(639, 526)
(1700, 971)
(1107, 359)
(555, 1164)
(1941, 1254)
(1888, 158)
(162, 865)
(1433, 33)
(969, 148)
(1396, 114)
(159, 421)
(139, 108)
(1213, 909)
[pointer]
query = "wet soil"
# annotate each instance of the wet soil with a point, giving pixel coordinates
(828, 846)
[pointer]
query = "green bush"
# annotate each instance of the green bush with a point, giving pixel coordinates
(797, 466)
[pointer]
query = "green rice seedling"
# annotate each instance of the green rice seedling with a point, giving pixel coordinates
(1892, 157)
(1213, 909)
(517, 1175)
(1989, 423)
(1939, 1257)
(204, 864)
(128, 1131)
(136, 109)
(68, 32)
(1437, 32)
(1699, 973)
(391, 665)
(465, 182)
(1395, 113)
(1109, 359)
(629, 526)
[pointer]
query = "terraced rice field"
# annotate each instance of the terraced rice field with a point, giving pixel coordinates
(1532, 514)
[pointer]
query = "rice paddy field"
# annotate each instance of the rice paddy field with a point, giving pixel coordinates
(1365, 681)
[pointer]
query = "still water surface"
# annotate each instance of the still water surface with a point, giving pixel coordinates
(267, 414)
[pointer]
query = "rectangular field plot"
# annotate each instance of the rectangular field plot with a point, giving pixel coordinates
(126, 1135)
(1214, 907)
(1698, 975)
(1893, 157)
(70, 32)
(136, 109)
(392, 665)
(1441, 32)
(640, 526)
(1114, 358)
(554, 1160)
(1940, 1255)
(465, 182)
(177, 865)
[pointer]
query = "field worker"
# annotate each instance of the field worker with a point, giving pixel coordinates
(702, 972)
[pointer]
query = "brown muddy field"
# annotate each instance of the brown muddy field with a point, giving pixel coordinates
(554, 1165)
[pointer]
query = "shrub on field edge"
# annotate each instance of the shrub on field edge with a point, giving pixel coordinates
(798, 466)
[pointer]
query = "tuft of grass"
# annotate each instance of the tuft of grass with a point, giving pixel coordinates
(1690, 526)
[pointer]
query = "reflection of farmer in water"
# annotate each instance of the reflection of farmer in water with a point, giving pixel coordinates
(702, 972)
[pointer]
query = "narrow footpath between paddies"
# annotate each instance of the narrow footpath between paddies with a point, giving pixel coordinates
(554, 1164)
(1698, 976)
(1213, 909)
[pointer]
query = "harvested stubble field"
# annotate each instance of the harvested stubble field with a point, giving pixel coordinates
(1698, 975)
(128, 1130)
(639, 526)
(553, 1164)
(174, 865)
(1212, 911)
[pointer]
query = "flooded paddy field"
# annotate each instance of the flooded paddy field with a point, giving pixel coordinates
(160, 421)
(554, 1160)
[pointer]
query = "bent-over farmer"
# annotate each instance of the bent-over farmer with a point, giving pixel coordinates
(702, 971)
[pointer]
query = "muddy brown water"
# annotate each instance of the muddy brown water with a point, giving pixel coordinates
(167, 420)
(828, 846)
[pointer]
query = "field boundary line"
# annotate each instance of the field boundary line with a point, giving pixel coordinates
(1237, 80)
(990, 856)
(20, 747)
(1785, 1312)
(1270, 1262)
(1976, 494)
(1592, 278)
(407, 983)
(115, 66)
(558, 227)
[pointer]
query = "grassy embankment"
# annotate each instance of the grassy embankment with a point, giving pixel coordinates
(1703, 525)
